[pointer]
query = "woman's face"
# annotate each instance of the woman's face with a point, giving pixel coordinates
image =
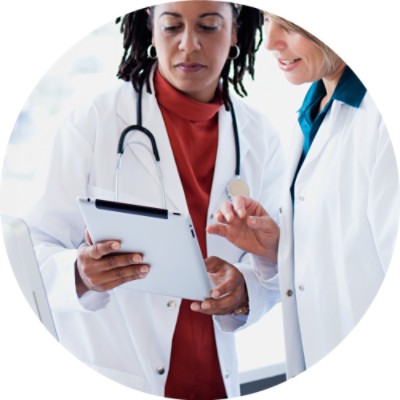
(192, 40)
(298, 57)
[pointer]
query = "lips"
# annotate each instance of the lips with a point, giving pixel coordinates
(288, 64)
(190, 66)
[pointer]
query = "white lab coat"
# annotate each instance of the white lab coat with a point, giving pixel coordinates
(336, 245)
(127, 335)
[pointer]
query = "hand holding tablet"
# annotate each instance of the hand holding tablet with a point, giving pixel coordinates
(166, 241)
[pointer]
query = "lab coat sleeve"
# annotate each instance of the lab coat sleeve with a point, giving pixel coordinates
(261, 276)
(384, 198)
(55, 222)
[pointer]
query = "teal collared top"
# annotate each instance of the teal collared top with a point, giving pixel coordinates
(349, 90)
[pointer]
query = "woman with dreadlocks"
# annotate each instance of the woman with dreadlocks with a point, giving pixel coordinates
(182, 58)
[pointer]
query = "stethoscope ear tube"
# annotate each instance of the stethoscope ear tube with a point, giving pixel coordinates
(236, 137)
(138, 127)
(142, 129)
(236, 186)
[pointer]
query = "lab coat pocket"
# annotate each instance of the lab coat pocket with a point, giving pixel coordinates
(125, 378)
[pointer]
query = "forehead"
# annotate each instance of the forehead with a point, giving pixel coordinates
(193, 9)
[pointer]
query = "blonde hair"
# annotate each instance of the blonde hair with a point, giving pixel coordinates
(332, 60)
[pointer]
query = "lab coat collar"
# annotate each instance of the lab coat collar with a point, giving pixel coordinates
(349, 90)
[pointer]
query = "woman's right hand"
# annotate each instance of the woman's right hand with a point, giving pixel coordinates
(100, 266)
(246, 224)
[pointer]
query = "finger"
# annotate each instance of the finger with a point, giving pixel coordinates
(217, 229)
(129, 273)
(227, 211)
(112, 284)
(264, 223)
(112, 278)
(219, 217)
(101, 249)
(224, 288)
(88, 238)
(213, 264)
(221, 306)
(240, 204)
(195, 306)
(121, 260)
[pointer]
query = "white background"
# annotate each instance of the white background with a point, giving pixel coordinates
(35, 34)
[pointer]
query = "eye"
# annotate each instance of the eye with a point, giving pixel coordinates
(170, 28)
(209, 28)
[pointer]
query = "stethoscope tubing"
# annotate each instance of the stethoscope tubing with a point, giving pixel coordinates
(139, 127)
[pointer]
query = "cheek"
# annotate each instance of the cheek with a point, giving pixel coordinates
(219, 51)
(164, 51)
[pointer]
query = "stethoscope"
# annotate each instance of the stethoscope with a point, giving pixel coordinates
(236, 185)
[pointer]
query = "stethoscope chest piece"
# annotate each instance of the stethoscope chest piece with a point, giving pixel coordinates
(237, 187)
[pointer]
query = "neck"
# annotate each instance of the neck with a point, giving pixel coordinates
(330, 83)
(332, 80)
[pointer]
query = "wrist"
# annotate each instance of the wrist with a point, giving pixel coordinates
(80, 286)
(245, 310)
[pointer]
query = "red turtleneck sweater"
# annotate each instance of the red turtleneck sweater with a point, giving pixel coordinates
(194, 372)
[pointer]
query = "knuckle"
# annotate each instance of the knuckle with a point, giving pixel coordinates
(111, 262)
(92, 284)
(84, 268)
(119, 274)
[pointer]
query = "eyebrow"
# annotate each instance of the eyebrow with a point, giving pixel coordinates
(176, 15)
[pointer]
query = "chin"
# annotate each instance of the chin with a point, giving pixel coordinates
(295, 80)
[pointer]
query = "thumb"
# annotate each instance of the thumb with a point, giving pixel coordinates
(213, 264)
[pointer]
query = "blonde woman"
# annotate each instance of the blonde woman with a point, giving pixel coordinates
(340, 207)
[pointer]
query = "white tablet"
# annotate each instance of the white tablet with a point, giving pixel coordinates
(166, 239)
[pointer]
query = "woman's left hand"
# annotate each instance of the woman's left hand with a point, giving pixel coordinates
(229, 293)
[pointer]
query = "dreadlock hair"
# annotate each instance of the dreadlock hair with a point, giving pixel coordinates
(136, 66)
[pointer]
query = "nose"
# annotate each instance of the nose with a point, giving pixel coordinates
(189, 41)
(274, 36)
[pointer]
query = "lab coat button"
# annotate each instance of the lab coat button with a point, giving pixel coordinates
(160, 370)
(171, 304)
(301, 287)
(301, 198)
(226, 376)
(289, 293)
(280, 210)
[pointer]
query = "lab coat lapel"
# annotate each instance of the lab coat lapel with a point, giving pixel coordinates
(325, 134)
(226, 154)
(295, 150)
(153, 121)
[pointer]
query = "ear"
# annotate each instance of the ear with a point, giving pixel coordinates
(148, 11)
(234, 36)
